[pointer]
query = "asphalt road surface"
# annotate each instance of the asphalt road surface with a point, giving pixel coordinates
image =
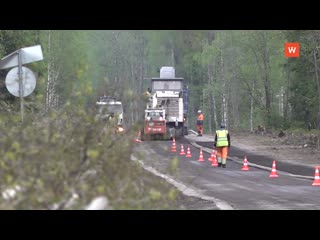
(264, 160)
(230, 188)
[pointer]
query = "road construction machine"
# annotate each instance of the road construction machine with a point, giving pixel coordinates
(168, 97)
(154, 123)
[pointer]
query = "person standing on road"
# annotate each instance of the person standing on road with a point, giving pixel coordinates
(200, 123)
(222, 143)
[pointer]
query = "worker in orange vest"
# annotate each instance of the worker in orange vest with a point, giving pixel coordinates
(200, 123)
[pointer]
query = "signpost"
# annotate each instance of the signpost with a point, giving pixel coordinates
(25, 81)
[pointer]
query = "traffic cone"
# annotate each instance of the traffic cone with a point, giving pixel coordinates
(138, 138)
(182, 150)
(188, 153)
(201, 156)
(173, 147)
(214, 161)
(245, 164)
(212, 155)
(273, 171)
(316, 181)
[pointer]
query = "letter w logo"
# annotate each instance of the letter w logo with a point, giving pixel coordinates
(292, 50)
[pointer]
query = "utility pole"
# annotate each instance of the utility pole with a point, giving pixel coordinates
(20, 85)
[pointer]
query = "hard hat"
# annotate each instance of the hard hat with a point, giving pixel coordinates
(222, 125)
(199, 111)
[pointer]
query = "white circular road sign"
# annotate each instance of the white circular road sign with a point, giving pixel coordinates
(28, 81)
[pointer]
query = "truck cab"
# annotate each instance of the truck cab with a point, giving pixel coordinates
(155, 123)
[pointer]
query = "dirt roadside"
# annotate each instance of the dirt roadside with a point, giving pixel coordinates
(283, 149)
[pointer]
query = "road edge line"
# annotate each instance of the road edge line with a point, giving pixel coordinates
(252, 164)
(220, 204)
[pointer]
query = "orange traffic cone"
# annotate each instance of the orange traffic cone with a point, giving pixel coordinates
(214, 161)
(138, 138)
(316, 181)
(173, 147)
(212, 155)
(201, 156)
(182, 150)
(188, 153)
(273, 171)
(245, 164)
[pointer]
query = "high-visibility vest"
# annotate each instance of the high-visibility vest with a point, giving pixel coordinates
(200, 119)
(222, 139)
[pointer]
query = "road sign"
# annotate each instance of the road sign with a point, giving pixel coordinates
(28, 55)
(21, 81)
(28, 81)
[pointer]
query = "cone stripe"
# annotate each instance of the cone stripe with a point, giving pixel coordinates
(182, 150)
(245, 164)
(138, 138)
(214, 163)
(201, 156)
(273, 170)
(316, 181)
(212, 156)
(188, 153)
(173, 147)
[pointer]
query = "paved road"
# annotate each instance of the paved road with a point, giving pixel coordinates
(230, 188)
(264, 162)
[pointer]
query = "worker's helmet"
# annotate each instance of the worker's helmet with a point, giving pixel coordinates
(199, 111)
(222, 125)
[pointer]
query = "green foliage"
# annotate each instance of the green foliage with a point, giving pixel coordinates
(298, 126)
(47, 153)
(69, 151)
(90, 63)
(12, 40)
(278, 122)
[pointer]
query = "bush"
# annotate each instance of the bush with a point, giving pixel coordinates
(278, 122)
(69, 153)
